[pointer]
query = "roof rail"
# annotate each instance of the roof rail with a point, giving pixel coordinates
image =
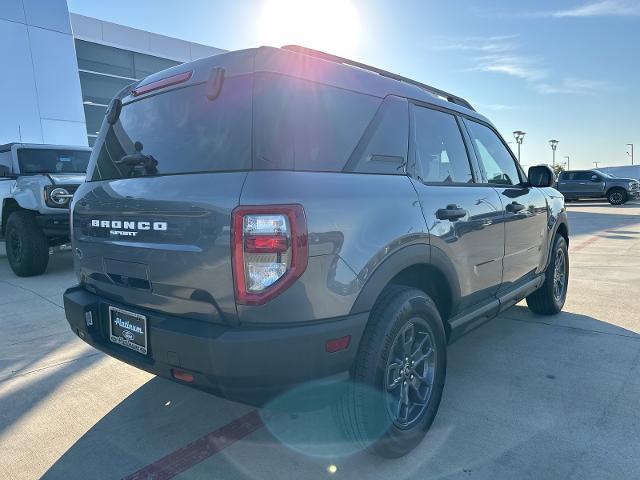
(334, 58)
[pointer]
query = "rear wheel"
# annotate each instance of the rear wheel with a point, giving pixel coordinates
(550, 297)
(398, 376)
(26, 245)
(617, 196)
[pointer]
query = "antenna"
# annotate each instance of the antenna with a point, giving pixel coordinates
(20, 133)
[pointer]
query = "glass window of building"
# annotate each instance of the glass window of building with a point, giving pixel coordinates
(104, 71)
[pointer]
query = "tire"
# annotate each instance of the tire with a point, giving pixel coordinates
(550, 297)
(368, 414)
(617, 196)
(26, 245)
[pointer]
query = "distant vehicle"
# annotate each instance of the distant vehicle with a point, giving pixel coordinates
(269, 217)
(37, 183)
(575, 184)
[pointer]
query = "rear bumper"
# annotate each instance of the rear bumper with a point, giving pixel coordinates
(248, 363)
(55, 226)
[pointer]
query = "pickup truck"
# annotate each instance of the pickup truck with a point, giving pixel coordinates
(575, 184)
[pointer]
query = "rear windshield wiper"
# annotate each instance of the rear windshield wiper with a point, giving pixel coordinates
(139, 163)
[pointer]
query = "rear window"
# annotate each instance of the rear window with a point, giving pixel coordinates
(304, 125)
(179, 131)
(44, 160)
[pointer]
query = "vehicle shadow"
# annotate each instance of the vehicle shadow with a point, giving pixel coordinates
(524, 398)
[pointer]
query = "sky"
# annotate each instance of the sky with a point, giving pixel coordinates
(568, 70)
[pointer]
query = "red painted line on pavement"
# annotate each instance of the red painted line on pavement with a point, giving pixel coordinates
(200, 449)
(584, 244)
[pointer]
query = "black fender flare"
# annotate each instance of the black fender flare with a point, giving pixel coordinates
(398, 261)
(560, 220)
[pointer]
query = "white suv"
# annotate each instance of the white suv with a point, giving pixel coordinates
(36, 186)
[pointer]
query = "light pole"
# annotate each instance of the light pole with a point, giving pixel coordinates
(596, 164)
(567, 157)
(630, 145)
(519, 136)
(554, 145)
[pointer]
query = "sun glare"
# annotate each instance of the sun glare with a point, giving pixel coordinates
(328, 25)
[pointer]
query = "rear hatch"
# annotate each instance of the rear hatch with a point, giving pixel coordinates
(152, 224)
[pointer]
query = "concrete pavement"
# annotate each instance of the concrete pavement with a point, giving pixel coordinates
(526, 396)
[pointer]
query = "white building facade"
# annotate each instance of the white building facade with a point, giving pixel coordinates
(60, 70)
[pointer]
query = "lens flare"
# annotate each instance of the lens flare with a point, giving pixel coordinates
(328, 25)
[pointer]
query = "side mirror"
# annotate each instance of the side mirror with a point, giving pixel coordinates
(595, 178)
(4, 171)
(541, 176)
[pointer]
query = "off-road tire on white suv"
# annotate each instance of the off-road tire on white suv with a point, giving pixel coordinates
(27, 247)
(365, 411)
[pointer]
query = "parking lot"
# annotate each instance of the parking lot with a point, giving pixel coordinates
(526, 396)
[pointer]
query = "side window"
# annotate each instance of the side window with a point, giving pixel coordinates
(582, 176)
(498, 164)
(5, 163)
(383, 147)
(439, 151)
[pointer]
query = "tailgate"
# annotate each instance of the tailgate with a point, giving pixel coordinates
(160, 243)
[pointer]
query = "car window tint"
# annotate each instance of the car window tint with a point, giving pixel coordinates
(179, 131)
(304, 125)
(383, 147)
(439, 151)
(496, 160)
(45, 160)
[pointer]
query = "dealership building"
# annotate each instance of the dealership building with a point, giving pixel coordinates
(61, 69)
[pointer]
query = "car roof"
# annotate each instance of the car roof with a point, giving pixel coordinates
(318, 67)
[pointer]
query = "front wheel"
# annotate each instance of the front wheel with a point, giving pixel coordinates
(26, 245)
(550, 297)
(617, 196)
(398, 376)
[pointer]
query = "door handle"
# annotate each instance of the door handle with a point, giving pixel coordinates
(515, 207)
(452, 212)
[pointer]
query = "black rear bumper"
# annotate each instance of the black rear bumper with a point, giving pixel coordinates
(250, 364)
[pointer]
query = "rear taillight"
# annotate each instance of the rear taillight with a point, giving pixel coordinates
(269, 250)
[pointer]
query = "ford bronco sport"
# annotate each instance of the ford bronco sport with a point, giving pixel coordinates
(36, 185)
(263, 218)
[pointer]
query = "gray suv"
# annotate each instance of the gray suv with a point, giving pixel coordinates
(36, 186)
(577, 184)
(273, 217)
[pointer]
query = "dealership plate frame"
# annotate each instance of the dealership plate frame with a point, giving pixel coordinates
(124, 342)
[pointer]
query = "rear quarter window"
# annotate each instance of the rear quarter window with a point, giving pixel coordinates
(304, 125)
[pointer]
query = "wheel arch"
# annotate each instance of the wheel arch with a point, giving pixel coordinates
(615, 187)
(420, 266)
(561, 227)
(564, 231)
(9, 205)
